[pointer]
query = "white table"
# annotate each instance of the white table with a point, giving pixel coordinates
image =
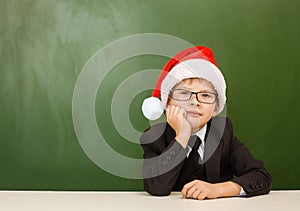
(141, 201)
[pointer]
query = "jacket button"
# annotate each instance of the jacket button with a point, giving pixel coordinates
(260, 184)
(253, 185)
(172, 153)
(165, 162)
(169, 158)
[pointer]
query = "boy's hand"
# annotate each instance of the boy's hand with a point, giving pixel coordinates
(176, 117)
(198, 189)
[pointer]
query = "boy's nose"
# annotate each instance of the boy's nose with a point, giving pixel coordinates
(194, 101)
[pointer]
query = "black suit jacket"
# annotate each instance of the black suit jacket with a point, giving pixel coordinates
(225, 159)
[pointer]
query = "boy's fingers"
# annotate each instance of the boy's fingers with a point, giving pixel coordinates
(186, 188)
(168, 111)
(175, 110)
(201, 196)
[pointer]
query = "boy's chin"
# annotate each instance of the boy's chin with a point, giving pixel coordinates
(195, 123)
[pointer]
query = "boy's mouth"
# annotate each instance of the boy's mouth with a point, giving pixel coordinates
(194, 113)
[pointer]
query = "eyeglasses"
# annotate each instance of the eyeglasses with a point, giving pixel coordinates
(185, 95)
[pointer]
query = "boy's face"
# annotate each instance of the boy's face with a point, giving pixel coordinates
(197, 113)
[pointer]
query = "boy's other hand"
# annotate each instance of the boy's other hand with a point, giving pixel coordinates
(200, 190)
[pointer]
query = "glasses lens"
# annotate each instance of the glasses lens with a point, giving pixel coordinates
(181, 94)
(206, 97)
(185, 95)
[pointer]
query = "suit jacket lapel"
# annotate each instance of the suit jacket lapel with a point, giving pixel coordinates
(213, 149)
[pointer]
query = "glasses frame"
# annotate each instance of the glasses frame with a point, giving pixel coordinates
(195, 93)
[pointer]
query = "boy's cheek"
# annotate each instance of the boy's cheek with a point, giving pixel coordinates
(184, 113)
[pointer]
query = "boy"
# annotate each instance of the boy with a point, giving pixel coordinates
(195, 152)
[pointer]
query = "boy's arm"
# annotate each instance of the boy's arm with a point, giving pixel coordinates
(163, 159)
(250, 173)
(161, 170)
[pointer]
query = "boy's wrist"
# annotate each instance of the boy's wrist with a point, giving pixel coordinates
(227, 189)
(183, 138)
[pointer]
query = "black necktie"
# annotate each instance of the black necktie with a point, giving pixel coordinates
(194, 156)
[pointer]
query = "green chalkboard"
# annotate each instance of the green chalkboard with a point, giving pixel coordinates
(45, 46)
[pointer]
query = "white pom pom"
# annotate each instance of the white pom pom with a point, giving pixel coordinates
(152, 108)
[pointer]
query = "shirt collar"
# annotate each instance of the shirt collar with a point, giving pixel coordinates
(201, 133)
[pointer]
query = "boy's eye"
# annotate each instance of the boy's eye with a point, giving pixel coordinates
(184, 92)
(206, 95)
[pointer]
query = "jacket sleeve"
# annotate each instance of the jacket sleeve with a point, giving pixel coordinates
(162, 164)
(250, 173)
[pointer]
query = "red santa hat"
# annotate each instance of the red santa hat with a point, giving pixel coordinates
(194, 62)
